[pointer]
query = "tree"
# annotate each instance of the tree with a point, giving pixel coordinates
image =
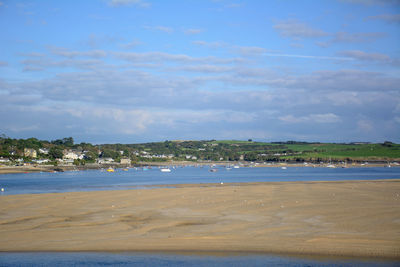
(55, 153)
(387, 144)
(68, 141)
(90, 156)
(108, 153)
(57, 142)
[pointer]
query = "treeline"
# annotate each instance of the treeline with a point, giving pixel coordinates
(204, 150)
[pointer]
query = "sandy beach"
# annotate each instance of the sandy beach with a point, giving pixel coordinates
(347, 218)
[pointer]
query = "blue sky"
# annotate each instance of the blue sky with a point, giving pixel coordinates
(132, 71)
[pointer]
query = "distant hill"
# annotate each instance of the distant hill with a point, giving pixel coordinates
(212, 150)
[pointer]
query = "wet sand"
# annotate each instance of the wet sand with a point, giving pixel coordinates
(347, 218)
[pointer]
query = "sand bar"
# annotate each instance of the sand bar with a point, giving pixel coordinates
(347, 218)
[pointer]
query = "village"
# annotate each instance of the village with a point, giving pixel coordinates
(64, 152)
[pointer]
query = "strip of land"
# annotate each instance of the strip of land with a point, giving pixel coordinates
(51, 168)
(347, 218)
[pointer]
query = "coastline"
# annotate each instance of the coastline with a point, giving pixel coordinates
(336, 218)
(51, 168)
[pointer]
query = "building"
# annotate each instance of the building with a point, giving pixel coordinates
(43, 151)
(69, 154)
(66, 161)
(30, 152)
(4, 160)
(126, 161)
(105, 160)
(41, 161)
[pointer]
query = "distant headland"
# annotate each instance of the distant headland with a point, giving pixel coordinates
(41, 155)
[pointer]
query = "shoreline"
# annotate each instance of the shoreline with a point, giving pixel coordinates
(333, 218)
(222, 253)
(51, 168)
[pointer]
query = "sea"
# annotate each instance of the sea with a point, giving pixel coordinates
(149, 177)
(142, 178)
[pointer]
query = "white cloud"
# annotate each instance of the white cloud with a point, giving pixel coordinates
(234, 5)
(193, 31)
(297, 45)
(116, 103)
(360, 55)
(140, 120)
(119, 3)
(210, 44)
(313, 118)
(365, 37)
(296, 29)
(251, 50)
(165, 57)
(206, 68)
(160, 28)
(60, 51)
(323, 44)
(95, 40)
(307, 56)
(364, 125)
(44, 63)
(389, 18)
(23, 128)
(131, 45)
(372, 2)
(32, 54)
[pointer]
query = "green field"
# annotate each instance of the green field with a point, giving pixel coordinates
(314, 151)
(343, 151)
(210, 150)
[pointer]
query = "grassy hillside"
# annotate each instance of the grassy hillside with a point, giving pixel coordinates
(214, 150)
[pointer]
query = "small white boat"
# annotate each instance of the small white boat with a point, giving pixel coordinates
(165, 170)
(331, 166)
(236, 167)
(283, 168)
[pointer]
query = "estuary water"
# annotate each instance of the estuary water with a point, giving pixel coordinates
(91, 180)
(96, 180)
(168, 259)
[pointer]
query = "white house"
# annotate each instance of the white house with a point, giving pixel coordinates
(126, 161)
(43, 151)
(30, 152)
(105, 160)
(69, 154)
(40, 161)
(4, 160)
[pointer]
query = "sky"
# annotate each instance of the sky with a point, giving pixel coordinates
(133, 71)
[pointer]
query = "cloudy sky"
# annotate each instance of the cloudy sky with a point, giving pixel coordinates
(129, 71)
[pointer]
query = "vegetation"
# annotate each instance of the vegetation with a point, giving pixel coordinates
(206, 150)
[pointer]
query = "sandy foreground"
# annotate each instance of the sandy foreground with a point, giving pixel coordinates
(348, 218)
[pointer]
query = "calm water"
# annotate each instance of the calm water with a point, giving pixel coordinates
(98, 180)
(91, 180)
(159, 259)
